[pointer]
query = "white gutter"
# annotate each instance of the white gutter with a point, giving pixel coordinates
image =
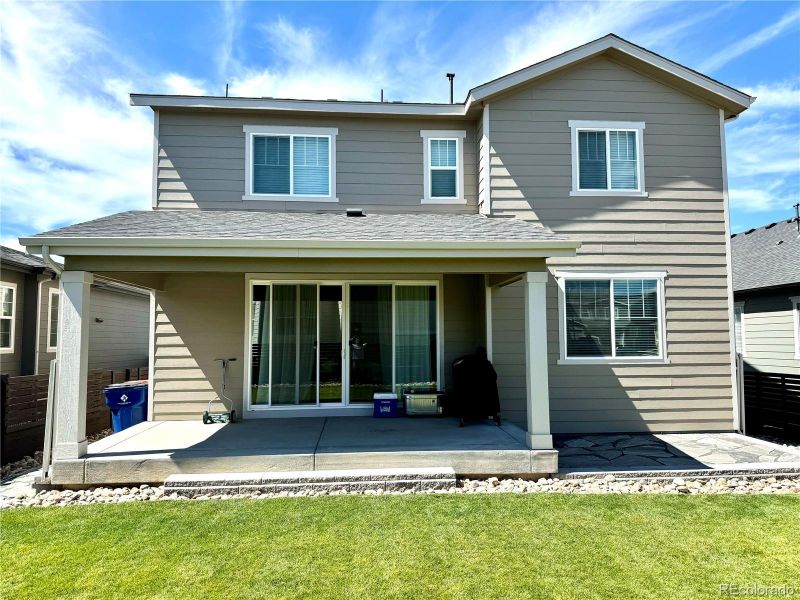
(49, 261)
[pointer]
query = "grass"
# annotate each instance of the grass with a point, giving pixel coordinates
(482, 546)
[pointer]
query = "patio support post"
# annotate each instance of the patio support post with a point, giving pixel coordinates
(536, 385)
(73, 365)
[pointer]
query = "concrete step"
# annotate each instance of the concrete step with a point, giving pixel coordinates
(419, 479)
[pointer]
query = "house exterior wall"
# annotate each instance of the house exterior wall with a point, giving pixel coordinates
(680, 228)
(379, 162)
(190, 334)
(120, 341)
(10, 362)
(769, 330)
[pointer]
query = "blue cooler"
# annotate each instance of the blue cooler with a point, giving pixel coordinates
(384, 405)
(128, 403)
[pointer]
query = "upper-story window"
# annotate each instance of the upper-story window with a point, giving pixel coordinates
(443, 160)
(607, 158)
(290, 163)
(8, 302)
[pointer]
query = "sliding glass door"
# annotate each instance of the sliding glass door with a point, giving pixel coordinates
(314, 344)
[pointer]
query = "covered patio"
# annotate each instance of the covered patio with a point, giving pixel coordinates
(152, 451)
(294, 298)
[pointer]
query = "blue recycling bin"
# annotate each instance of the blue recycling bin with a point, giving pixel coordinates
(128, 403)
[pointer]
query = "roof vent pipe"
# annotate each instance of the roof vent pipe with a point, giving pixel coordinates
(451, 76)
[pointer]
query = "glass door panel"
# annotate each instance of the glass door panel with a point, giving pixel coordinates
(294, 334)
(415, 341)
(330, 343)
(370, 341)
(259, 346)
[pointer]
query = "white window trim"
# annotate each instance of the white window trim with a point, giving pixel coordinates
(12, 318)
(606, 126)
(739, 306)
(251, 131)
(795, 300)
(53, 292)
(659, 276)
(428, 135)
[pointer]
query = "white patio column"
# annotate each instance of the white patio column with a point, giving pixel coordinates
(73, 365)
(536, 385)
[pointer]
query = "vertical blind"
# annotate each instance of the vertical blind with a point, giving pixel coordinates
(310, 156)
(443, 168)
(588, 317)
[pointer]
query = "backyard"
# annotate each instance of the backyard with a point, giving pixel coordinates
(450, 546)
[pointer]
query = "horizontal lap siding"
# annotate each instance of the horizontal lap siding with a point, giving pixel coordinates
(198, 318)
(679, 228)
(379, 163)
(769, 331)
(119, 330)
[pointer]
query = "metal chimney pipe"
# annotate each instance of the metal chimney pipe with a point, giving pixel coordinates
(451, 76)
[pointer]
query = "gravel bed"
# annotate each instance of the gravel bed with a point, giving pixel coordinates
(27, 463)
(605, 485)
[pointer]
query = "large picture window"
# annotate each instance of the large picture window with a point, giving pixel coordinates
(611, 317)
(290, 164)
(607, 158)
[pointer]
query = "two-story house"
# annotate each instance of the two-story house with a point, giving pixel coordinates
(571, 217)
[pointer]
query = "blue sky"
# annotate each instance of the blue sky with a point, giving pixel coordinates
(72, 148)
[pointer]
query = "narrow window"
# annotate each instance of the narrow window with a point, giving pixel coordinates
(738, 327)
(443, 168)
(8, 298)
(612, 317)
(795, 300)
(52, 321)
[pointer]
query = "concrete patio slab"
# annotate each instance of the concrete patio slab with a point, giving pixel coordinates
(151, 452)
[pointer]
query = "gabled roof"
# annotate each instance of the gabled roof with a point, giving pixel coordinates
(766, 257)
(718, 94)
(251, 233)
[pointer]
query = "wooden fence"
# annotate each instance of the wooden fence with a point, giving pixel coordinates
(23, 402)
(772, 404)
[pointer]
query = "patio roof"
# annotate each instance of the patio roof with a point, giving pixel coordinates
(260, 233)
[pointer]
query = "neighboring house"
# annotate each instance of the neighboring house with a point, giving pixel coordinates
(766, 291)
(570, 216)
(119, 319)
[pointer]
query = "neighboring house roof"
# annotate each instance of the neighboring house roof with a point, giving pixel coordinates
(19, 259)
(766, 257)
(301, 231)
(730, 99)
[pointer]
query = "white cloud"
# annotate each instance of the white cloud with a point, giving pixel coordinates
(753, 200)
(294, 44)
(71, 149)
(752, 41)
(173, 83)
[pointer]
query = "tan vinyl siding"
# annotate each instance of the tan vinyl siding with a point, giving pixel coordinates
(679, 228)
(769, 331)
(379, 165)
(10, 362)
(198, 318)
(44, 357)
(482, 163)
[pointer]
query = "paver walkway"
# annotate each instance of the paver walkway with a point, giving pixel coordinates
(671, 451)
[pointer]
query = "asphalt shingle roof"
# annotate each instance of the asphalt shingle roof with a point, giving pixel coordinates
(20, 259)
(254, 225)
(766, 257)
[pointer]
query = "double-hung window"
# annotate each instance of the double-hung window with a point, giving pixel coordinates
(443, 161)
(617, 317)
(795, 300)
(738, 328)
(290, 163)
(607, 158)
(8, 302)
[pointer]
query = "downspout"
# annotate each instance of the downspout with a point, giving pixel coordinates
(53, 265)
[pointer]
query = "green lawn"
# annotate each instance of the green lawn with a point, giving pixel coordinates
(482, 546)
